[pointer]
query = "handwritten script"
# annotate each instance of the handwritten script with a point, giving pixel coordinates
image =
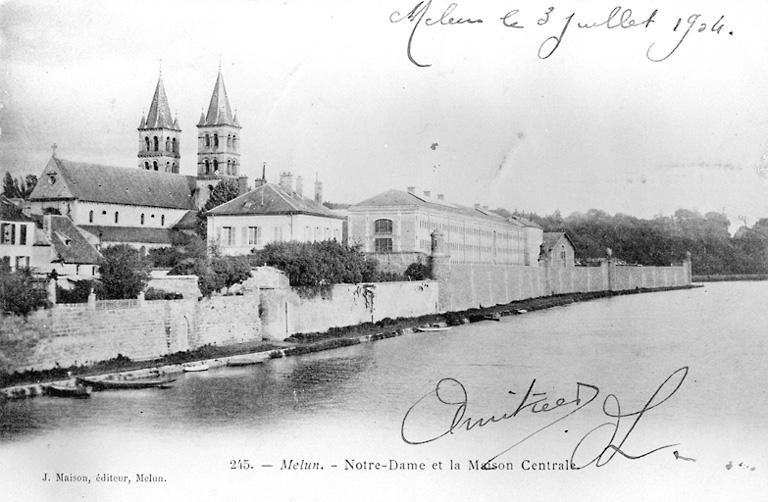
(560, 24)
(451, 396)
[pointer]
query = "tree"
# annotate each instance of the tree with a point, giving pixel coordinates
(124, 272)
(224, 192)
(20, 188)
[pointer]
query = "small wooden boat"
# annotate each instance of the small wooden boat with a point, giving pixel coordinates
(492, 317)
(427, 329)
(195, 367)
(147, 383)
(243, 362)
(76, 391)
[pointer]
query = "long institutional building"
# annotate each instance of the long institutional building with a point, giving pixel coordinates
(400, 223)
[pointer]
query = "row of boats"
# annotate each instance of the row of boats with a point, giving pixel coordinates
(84, 385)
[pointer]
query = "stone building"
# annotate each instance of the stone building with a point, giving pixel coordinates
(159, 135)
(396, 227)
(17, 236)
(557, 250)
(272, 213)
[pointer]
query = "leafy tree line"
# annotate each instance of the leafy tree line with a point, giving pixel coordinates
(18, 188)
(663, 239)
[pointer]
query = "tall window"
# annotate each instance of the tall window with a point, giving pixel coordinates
(146, 142)
(382, 226)
(156, 144)
(562, 253)
(146, 166)
(167, 144)
(175, 145)
(117, 217)
(90, 216)
(142, 218)
(162, 219)
(228, 236)
(7, 233)
(254, 236)
(215, 140)
(23, 237)
(383, 244)
(229, 140)
(154, 165)
(207, 167)
(207, 140)
(215, 166)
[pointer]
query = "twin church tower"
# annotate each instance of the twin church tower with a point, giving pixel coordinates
(218, 137)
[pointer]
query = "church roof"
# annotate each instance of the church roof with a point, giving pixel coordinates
(138, 235)
(219, 111)
(68, 242)
(400, 199)
(159, 115)
(63, 179)
(271, 199)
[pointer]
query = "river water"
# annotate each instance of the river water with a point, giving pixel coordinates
(214, 435)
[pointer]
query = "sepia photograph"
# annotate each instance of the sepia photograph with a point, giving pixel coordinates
(399, 250)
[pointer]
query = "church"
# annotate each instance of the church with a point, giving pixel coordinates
(143, 207)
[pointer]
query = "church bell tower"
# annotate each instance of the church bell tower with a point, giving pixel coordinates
(159, 135)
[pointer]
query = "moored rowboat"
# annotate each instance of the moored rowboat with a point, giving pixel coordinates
(195, 367)
(124, 384)
(243, 362)
(77, 391)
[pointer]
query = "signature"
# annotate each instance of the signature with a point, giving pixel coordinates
(617, 20)
(451, 395)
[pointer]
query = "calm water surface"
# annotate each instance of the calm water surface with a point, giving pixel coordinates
(348, 405)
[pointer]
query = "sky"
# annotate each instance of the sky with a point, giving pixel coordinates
(327, 89)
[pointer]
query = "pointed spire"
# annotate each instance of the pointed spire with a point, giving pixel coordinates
(159, 115)
(201, 122)
(176, 122)
(219, 111)
(143, 122)
(234, 119)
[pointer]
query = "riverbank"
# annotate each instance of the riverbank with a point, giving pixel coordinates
(730, 277)
(32, 383)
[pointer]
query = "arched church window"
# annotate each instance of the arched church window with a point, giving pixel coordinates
(162, 219)
(229, 166)
(117, 217)
(207, 140)
(142, 218)
(167, 144)
(207, 167)
(167, 167)
(156, 144)
(174, 169)
(175, 146)
(215, 166)
(146, 166)
(229, 140)
(146, 142)
(215, 140)
(90, 216)
(154, 165)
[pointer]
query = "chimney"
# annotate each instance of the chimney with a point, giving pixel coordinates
(318, 191)
(440, 196)
(427, 193)
(411, 189)
(263, 181)
(286, 181)
(300, 186)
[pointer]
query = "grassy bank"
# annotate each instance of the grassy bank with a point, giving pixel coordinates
(732, 277)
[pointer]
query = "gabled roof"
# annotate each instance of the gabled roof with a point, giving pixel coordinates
(551, 239)
(399, 199)
(159, 116)
(187, 222)
(11, 212)
(271, 199)
(138, 235)
(69, 243)
(219, 111)
(63, 179)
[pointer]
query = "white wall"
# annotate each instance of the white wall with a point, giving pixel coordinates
(272, 228)
(18, 251)
(129, 216)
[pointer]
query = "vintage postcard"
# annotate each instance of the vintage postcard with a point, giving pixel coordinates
(383, 250)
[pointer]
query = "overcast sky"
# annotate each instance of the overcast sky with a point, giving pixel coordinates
(327, 88)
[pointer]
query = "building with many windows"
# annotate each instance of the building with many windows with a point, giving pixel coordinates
(17, 236)
(272, 213)
(396, 227)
